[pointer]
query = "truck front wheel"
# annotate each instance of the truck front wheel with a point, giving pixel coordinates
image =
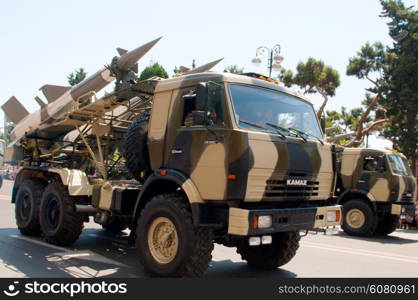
(269, 257)
(28, 201)
(167, 242)
(60, 223)
(359, 218)
(387, 225)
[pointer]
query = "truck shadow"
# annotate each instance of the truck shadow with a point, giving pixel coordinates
(389, 239)
(96, 254)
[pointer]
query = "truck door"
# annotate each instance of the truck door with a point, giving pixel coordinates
(197, 149)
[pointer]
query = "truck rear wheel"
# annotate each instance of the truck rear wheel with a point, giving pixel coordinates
(359, 218)
(136, 149)
(269, 257)
(115, 225)
(60, 223)
(28, 201)
(387, 225)
(167, 242)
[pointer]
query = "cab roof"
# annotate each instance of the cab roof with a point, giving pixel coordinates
(185, 81)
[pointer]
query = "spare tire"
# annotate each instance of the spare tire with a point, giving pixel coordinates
(135, 147)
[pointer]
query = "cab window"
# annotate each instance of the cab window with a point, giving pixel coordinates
(372, 163)
(213, 104)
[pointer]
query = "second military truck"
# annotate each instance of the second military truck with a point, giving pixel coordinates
(375, 187)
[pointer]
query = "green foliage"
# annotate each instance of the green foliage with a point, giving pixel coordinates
(392, 72)
(153, 70)
(234, 69)
(76, 76)
(313, 77)
(401, 93)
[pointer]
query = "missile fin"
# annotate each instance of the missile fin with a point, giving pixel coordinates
(53, 92)
(40, 102)
(183, 69)
(121, 51)
(14, 110)
(203, 68)
(135, 68)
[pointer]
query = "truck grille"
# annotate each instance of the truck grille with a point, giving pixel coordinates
(279, 188)
(407, 197)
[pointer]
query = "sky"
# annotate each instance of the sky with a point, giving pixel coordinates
(43, 41)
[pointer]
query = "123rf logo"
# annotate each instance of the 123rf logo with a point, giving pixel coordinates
(70, 289)
(12, 290)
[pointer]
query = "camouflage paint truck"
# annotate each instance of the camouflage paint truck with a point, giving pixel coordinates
(374, 187)
(185, 162)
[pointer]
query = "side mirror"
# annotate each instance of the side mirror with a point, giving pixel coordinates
(322, 121)
(201, 97)
(197, 118)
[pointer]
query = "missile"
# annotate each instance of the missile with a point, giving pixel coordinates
(62, 100)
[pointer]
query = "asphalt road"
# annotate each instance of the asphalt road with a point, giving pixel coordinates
(97, 254)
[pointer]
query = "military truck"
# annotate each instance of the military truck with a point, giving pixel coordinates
(374, 187)
(184, 163)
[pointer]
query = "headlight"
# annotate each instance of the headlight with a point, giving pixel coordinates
(333, 216)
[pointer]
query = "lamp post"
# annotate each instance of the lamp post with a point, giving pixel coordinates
(273, 56)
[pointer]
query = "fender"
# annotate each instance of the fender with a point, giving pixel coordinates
(76, 180)
(357, 191)
(170, 175)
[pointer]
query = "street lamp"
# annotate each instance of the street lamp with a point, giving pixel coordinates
(274, 59)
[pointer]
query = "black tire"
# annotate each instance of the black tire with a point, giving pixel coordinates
(195, 244)
(370, 219)
(387, 225)
(115, 225)
(135, 147)
(28, 202)
(269, 257)
(60, 223)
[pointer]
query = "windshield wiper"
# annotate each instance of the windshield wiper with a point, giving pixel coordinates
(279, 130)
(302, 133)
(252, 124)
(283, 137)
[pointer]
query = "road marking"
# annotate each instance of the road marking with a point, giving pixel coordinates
(5, 197)
(403, 258)
(69, 253)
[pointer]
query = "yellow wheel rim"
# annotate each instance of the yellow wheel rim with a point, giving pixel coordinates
(163, 240)
(355, 218)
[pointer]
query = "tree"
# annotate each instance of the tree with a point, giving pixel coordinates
(152, 70)
(76, 76)
(372, 63)
(340, 126)
(314, 77)
(401, 93)
(234, 69)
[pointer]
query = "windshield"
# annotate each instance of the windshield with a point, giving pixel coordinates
(399, 165)
(263, 106)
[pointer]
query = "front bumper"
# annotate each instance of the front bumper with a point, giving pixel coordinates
(404, 209)
(289, 219)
